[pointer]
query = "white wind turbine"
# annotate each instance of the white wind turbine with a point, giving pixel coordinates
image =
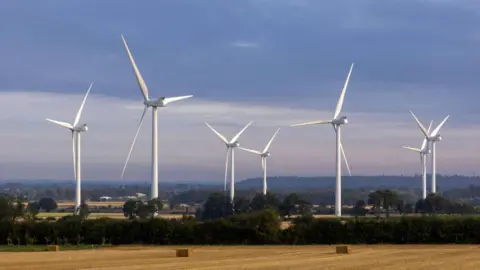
(231, 145)
(432, 137)
(154, 103)
(336, 122)
(76, 129)
(423, 151)
(263, 155)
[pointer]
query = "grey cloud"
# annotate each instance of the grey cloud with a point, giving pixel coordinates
(188, 146)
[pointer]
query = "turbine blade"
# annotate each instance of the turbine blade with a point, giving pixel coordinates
(134, 139)
(74, 152)
(437, 129)
(250, 150)
(79, 113)
(235, 138)
(173, 99)
(218, 134)
(141, 82)
(313, 123)
(429, 127)
(60, 123)
(422, 128)
(270, 142)
(226, 169)
(411, 148)
(345, 159)
(424, 144)
(338, 109)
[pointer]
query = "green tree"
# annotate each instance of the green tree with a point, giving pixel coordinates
(217, 205)
(32, 210)
(375, 199)
(241, 205)
(389, 200)
(155, 205)
(83, 211)
(47, 204)
(359, 209)
(288, 206)
(385, 199)
(129, 209)
(260, 202)
(10, 208)
(435, 203)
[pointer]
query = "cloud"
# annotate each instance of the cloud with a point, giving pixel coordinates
(245, 44)
(35, 148)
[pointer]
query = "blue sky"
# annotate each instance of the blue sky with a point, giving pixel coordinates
(277, 62)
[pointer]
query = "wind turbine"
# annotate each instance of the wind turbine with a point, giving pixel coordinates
(336, 122)
(155, 104)
(231, 145)
(263, 155)
(424, 151)
(432, 137)
(76, 129)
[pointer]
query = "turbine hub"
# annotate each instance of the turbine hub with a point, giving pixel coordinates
(439, 138)
(267, 154)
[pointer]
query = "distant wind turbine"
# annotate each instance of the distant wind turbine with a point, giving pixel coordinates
(154, 103)
(76, 129)
(336, 122)
(231, 145)
(432, 137)
(423, 151)
(263, 155)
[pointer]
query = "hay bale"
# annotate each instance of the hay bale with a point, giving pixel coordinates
(343, 250)
(53, 248)
(185, 252)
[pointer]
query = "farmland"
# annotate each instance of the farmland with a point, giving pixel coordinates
(250, 257)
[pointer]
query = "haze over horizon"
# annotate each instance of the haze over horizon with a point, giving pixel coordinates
(277, 62)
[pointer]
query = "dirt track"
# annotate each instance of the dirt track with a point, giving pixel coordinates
(249, 257)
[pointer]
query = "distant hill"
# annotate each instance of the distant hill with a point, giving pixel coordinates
(353, 182)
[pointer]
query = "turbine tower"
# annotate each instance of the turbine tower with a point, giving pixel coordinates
(263, 155)
(76, 129)
(432, 137)
(231, 145)
(424, 151)
(155, 104)
(336, 122)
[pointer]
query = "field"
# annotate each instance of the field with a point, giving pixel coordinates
(100, 215)
(253, 257)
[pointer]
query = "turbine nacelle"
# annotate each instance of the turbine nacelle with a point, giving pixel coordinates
(155, 102)
(266, 154)
(234, 144)
(81, 128)
(437, 138)
(340, 121)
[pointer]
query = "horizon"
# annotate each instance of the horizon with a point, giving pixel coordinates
(276, 62)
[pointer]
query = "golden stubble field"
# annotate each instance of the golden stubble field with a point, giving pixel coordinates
(378, 257)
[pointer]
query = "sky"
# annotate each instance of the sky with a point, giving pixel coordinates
(276, 62)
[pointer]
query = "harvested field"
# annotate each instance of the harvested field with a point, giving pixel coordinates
(253, 257)
(109, 215)
(72, 203)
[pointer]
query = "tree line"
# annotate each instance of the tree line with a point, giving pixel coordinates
(255, 221)
(256, 228)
